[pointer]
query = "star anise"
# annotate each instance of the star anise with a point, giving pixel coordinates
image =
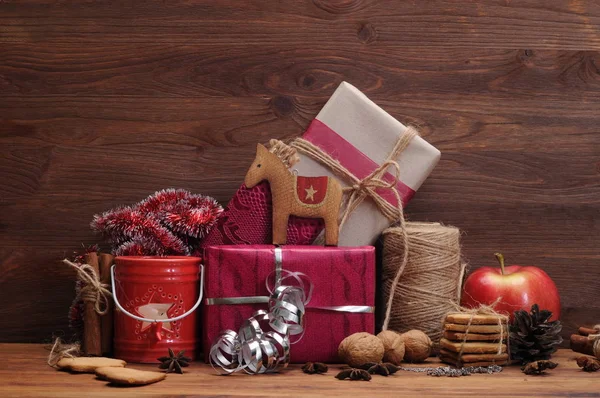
(354, 374)
(588, 364)
(381, 368)
(174, 363)
(314, 367)
(538, 367)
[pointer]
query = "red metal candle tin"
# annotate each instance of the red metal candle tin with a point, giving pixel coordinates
(156, 299)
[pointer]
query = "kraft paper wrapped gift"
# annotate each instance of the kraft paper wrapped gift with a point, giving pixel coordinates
(360, 135)
(353, 130)
(340, 276)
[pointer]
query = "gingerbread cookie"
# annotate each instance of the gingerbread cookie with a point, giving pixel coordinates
(474, 347)
(88, 364)
(129, 377)
(465, 319)
(469, 358)
(475, 328)
(458, 336)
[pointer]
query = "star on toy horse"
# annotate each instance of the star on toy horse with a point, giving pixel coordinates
(310, 197)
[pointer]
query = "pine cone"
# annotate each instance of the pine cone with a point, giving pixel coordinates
(532, 337)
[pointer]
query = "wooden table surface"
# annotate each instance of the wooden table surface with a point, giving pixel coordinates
(24, 373)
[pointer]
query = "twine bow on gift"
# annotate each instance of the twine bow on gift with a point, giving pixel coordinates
(485, 310)
(367, 187)
(93, 290)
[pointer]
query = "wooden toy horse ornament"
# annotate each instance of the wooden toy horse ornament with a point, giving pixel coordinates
(310, 197)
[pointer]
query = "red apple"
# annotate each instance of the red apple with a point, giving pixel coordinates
(517, 287)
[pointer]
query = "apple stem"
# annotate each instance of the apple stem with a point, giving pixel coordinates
(500, 259)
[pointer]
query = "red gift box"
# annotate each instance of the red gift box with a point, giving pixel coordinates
(341, 277)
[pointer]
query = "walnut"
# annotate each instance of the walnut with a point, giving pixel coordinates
(417, 346)
(359, 348)
(393, 346)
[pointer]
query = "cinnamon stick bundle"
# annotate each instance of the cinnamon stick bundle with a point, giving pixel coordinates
(581, 343)
(92, 344)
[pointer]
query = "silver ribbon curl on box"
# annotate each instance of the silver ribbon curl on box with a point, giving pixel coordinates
(262, 344)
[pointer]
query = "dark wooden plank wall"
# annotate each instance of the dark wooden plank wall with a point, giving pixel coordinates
(104, 102)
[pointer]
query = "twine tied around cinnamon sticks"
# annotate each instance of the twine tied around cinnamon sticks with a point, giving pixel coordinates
(485, 310)
(93, 290)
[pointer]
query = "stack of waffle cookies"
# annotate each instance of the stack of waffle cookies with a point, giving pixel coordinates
(474, 340)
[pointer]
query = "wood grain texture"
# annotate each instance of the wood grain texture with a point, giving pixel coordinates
(235, 69)
(102, 103)
(391, 23)
(37, 379)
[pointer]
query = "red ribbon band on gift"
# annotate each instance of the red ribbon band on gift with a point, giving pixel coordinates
(359, 164)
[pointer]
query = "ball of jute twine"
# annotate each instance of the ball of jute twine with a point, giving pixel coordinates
(431, 281)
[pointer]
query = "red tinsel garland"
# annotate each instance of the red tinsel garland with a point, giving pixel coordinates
(169, 222)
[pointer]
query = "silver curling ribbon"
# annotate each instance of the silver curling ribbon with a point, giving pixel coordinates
(262, 345)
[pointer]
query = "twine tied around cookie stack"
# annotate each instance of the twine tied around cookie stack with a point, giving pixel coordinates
(475, 336)
(422, 276)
